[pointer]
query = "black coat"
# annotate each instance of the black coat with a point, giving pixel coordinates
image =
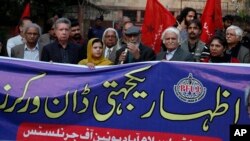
(146, 54)
(54, 52)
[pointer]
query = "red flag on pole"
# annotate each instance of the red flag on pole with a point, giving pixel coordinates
(211, 19)
(156, 19)
(26, 13)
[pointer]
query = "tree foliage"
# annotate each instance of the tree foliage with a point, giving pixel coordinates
(11, 10)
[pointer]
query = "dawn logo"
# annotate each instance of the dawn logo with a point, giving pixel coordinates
(190, 90)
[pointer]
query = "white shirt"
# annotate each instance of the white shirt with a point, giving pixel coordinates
(16, 40)
(31, 54)
(107, 50)
(170, 55)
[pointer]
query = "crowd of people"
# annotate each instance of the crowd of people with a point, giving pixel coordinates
(121, 44)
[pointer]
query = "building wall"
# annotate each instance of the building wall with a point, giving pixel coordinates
(118, 6)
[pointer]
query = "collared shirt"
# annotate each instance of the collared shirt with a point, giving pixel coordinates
(169, 55)
(108, 52)
(64, 53)
(31, 54)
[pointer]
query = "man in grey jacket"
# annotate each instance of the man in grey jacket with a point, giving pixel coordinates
(31, 49)
(235, 48)
(171, 40)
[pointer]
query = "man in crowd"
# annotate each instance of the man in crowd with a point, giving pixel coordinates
(125, 27)
(76, 37)
(171, 40)
(62, 50)
(30, 50)
(75, 33)
(19, 39)
(193, 44)
(110, 39)
(234, 35)
(134, 50)
(227, 21)
(118, 25)
(49, 36)
(187, 14)
(246, 35)
(97, 30)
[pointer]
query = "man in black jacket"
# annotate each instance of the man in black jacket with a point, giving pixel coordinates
(62, 50)
(134, 50)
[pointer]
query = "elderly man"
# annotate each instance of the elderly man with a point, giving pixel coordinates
(126, 26)
(62, 50)
(235, 48)
(171, 40)
(30, 50)
(134, 50)
(110, 39)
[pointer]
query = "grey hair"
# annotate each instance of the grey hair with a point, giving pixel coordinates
(62, 20)
(238, 31)
(116, 35)
(32, 25)
(171, 30)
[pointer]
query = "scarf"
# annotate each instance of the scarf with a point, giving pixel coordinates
(90, 59)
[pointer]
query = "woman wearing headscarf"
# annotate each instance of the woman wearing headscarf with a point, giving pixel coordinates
(95, 54)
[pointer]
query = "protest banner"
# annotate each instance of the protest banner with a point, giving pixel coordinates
(139, 101)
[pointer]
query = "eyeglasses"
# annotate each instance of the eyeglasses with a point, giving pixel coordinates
(34, 34)
(110, 36)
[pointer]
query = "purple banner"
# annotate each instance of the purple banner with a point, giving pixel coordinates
(139, 101)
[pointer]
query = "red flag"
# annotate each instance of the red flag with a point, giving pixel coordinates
(26, 13)
(157, 18)
(211, 19)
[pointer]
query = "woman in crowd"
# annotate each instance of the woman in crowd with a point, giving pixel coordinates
(217, 48)
(95, 54)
